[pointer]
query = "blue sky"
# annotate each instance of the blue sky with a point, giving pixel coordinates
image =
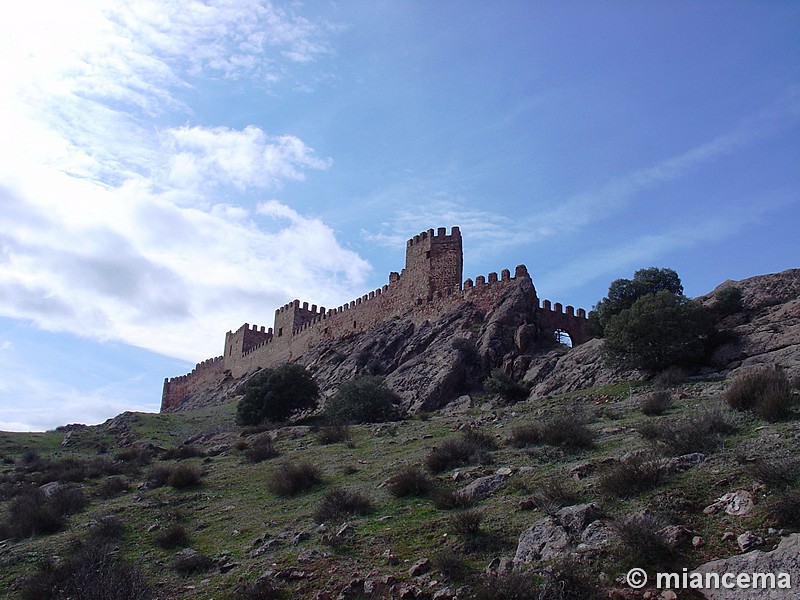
(171, 170)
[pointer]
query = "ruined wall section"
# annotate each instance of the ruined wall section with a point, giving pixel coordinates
(204, 375)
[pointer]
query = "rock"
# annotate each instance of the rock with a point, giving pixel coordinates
(544, 540)
(504, 471)
(686, 462)
(582, 471)
(738, 503)
(675, 536)
(420, 567)
(218, 449)
(446, 593)
(698, 542)
(480, 488)
(784, 559)
(728, 536)
(310, 555)
(749, 540)
(48, 489)
(597, 536)
(499, 566)
(577, 518)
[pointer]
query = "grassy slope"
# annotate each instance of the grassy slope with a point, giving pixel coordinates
(233, 508)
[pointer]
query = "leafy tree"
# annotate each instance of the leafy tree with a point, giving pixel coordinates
(658, 331)
(729, 301)
(504, 386)
(362, 400)
(276, 394)
(623, 293)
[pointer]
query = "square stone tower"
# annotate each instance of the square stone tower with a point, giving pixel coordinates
(434, 262)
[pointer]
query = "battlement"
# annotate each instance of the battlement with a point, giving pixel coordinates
(429, 286)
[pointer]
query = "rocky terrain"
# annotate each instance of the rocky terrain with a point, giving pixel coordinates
(558, 496)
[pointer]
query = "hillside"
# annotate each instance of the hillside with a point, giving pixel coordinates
(576, 483)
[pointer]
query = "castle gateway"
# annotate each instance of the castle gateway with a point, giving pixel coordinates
(429, 286)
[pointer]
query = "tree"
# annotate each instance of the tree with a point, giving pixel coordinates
(276, 394)
(362, 400)
(658, 331)
(623, 293)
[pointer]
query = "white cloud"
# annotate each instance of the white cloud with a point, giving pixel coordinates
(110, 227)
(243, 158)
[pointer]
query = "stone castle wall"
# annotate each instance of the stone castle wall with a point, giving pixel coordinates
(428, 287)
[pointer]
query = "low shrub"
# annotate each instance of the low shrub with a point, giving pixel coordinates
(450, 499)
(185, 476)
(32, 514)
(471, 447)
(568, 432)
(670, 377)
(504, 386)
(512, 585)
(93, 573)
(776, 473)
(784, 510)
(639, 542)
(767, 393)
(631, 477)
(339, 503)
(702, 432)
(183, 452)
(451, 565)
(177, 476)
(262, 589)
(365, 399)
(67, 500)
(411, 481)
(332, 433)
(290, 479)
(113, 486)
(188, 562)
(174, 536)
(467, 522)
(107, 529)
(138, 457)
(553, 494)
(655, 403)
(261, 450)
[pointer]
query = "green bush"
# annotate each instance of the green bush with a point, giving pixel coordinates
(658, 331)
(623, 293)
(277, 394)
(728, 301)
(362, 400)
(504, 386)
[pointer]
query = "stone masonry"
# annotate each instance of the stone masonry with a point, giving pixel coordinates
(429, 286)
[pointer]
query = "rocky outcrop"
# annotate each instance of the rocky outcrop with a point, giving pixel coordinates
(766, 331)
(785, 559)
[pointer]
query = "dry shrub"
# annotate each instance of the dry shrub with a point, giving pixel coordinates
(188, 562)
(332, 433)
(174, 536)
(340, 503)
(784, 510)
(655, 403)
(113, 486)
(411, 481)
(631, 477)
(263, 589)
(553, 494)
(453, 566)
(262, 449)
(290, 479)
(640, 544)
(767, 393)
(467, 522)
(776, 472)
(183, 452)
(450, 499)
(568, 432)
(185, 476)
(93, 573)
(702, 432)
(471, 447)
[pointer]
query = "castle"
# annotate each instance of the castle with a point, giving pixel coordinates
(429, 286)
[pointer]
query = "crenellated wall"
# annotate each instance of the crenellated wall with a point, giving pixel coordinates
(204, 374)
(428, 287)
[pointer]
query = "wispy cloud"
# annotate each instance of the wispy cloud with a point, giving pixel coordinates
(112, 227)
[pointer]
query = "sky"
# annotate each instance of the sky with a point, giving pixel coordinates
(172, 169)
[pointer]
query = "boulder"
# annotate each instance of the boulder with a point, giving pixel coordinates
(480, 488)
(785, 559)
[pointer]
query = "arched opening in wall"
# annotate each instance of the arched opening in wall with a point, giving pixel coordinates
(563, 337)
